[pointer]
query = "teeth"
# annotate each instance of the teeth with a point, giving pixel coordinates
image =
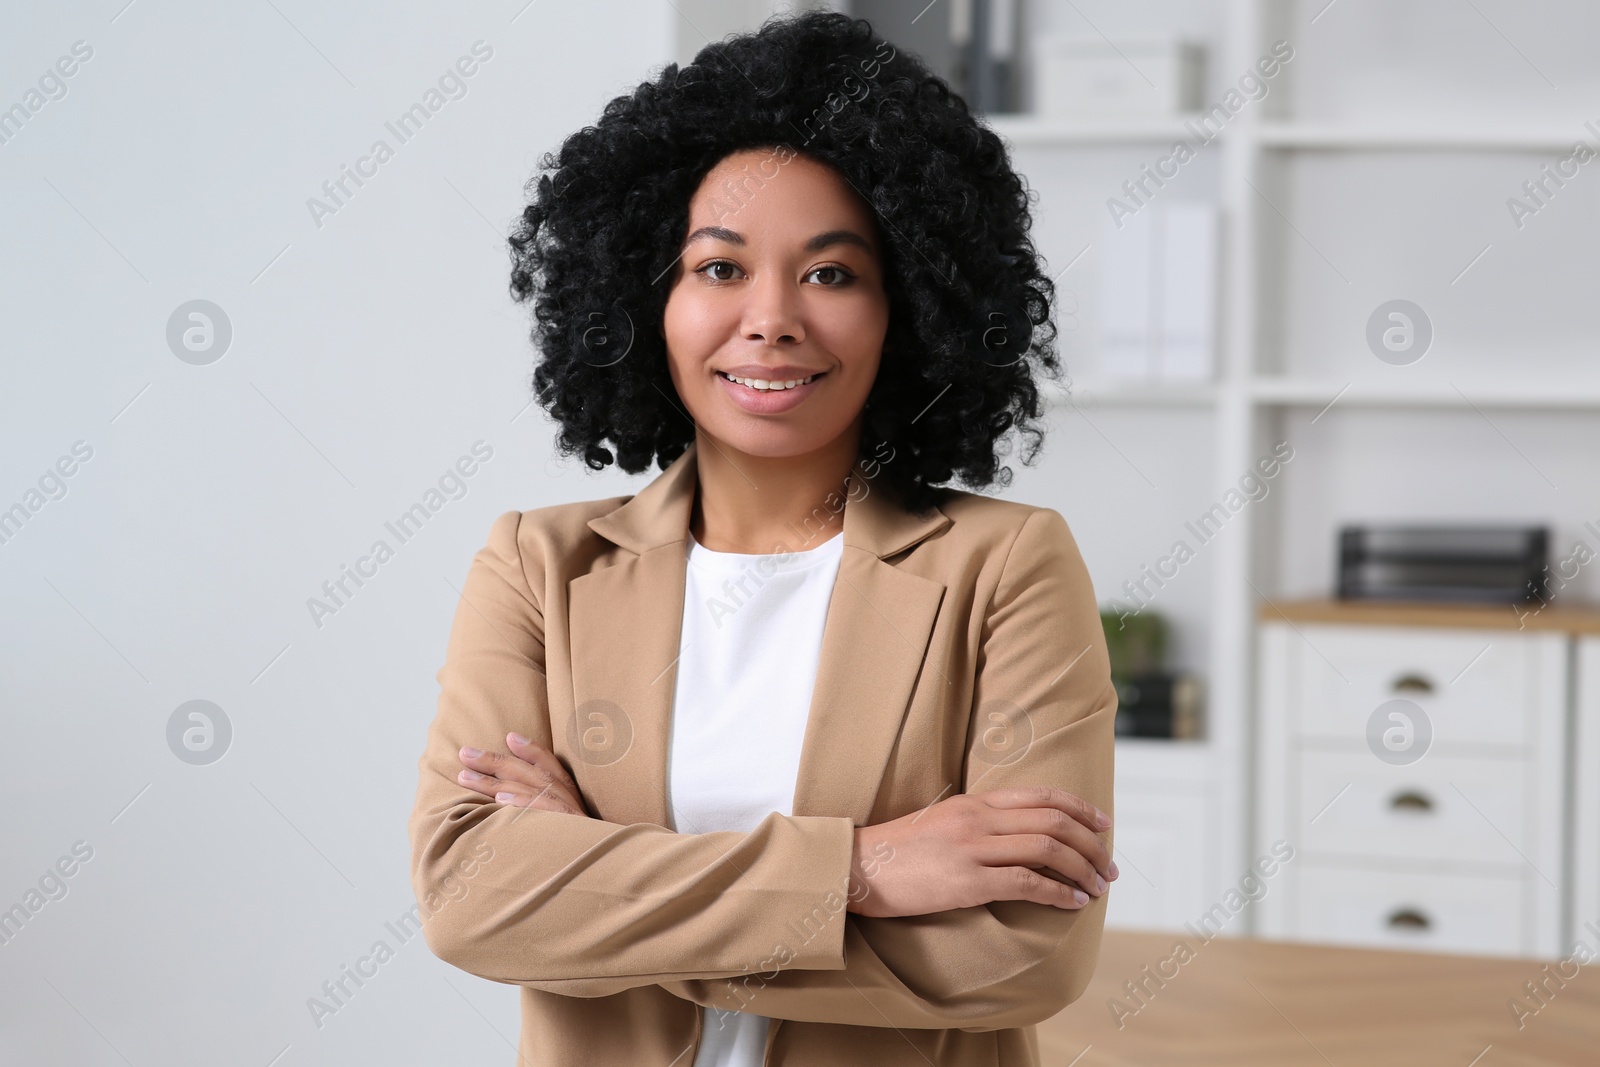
(765, 386)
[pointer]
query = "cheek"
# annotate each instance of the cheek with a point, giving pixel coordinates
(692, 327)
(855, 334)
(679, 337)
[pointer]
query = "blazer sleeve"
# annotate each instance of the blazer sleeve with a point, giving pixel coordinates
(577, 905)
(1045, 706)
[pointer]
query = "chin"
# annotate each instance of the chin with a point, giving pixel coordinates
(774, 441)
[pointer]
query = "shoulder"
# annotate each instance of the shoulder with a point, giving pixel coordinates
(1016, 557)
(994, 544)
(526, 541)
(994, 525)
(566, 522)
(565, 525)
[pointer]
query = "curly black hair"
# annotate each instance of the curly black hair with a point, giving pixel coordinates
(969, 302)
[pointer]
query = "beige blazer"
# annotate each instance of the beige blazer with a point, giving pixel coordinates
(962, 652)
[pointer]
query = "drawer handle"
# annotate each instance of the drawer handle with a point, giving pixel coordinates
(1408, 919)
(1412, 683)
(1410, 800)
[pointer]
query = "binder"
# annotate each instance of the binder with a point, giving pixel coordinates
(1159, 293)
(1187, 292)
(1125, 305)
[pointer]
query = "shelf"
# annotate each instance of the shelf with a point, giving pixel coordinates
(1110, 392)
(1310, 392)
(1305, 392)
(1026, 129)
(1535, 135)
(1539, 134)
(1575, 617)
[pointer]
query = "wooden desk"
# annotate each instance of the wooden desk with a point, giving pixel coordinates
(1241, 1002)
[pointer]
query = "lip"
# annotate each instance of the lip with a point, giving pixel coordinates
(769, 403)
(782, 372)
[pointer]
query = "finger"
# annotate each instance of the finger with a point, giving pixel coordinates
(1057, 824)
(491, 785)
(479, 782)
(511, 769)
(548, 771)
(545, 801)
(1041, 850)
(514, 794)
(1020, 883)
(1048, 796)
(544, 759)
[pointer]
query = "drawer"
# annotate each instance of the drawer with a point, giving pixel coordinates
(1442, 808)
(1469, 913)
(1473, 686)
(1161, 847)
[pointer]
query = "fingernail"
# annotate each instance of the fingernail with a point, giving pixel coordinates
(505, 798)
(471, 776)
(518, 739)
(1114, 871)
(1080, 896)
(472, 753)
(1103, 819)
(1099, 884)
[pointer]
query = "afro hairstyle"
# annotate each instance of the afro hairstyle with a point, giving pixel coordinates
(969, 302)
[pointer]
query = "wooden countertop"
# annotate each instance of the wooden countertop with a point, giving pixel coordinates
(1579, 617)
(1242, 1002)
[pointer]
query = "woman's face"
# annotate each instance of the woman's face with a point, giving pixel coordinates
(783, 283)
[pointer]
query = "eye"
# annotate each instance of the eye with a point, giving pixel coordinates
(715, 263)
(844, 277)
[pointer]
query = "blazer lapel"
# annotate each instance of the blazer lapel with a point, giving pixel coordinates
(625, 624)
(873, 648)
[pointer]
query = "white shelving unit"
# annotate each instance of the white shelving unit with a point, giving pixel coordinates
(1310, 246)
(1306, 392)
(1034, 130)
(1540, 136)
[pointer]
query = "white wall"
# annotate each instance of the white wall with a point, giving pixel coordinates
(368, 354)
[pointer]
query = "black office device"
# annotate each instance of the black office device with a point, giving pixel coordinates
(1484, 564)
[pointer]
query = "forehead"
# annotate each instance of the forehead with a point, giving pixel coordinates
(759, 191)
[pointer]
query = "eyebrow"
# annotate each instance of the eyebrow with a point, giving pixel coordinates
(815, 244)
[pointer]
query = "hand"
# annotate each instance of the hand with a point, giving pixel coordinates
(532, 777)
(1034, 843)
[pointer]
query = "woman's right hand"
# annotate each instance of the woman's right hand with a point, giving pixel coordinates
(1024, 843)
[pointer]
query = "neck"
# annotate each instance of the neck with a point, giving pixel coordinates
(763, 504)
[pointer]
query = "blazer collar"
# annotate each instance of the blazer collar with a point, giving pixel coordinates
(659, 514)
(625, 623)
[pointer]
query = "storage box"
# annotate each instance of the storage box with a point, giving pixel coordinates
(1079, 76)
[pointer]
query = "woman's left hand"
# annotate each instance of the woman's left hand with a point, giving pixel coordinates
(531, 777)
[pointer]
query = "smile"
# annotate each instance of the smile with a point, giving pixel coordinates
(760, 396)
(761, 385)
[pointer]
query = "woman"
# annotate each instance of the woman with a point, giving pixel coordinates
(793, 757)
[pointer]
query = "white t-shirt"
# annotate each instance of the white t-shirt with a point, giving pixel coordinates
(752, 635)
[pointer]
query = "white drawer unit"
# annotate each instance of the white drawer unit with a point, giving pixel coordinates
(1418, 759)
(1449, 809)
(1165, 840)
(1583, 915)
(1408, 910)
(1474, 685)
(1159, 846)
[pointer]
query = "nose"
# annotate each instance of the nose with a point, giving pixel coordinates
(772, 312)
